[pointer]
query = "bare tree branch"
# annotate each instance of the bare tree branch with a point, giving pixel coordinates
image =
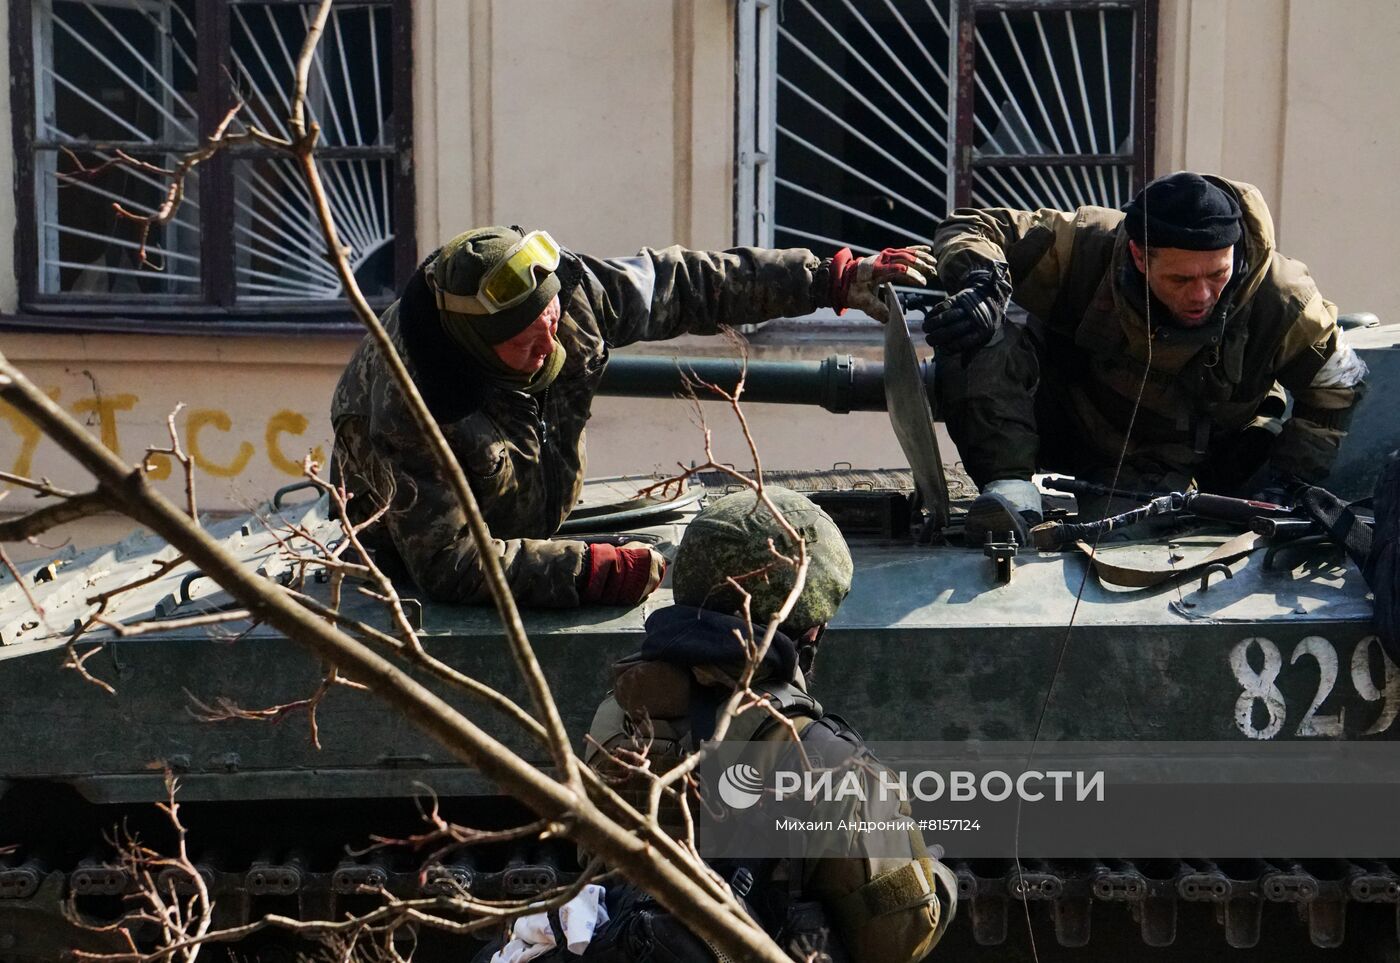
(176, 452)
(130, 629)
(37, 522)
(41, 485)
(577, 803)
(634, 844)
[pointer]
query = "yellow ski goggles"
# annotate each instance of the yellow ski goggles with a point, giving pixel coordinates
(510, 280)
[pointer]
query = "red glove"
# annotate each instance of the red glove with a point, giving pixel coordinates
(855, 281)
(621, 576)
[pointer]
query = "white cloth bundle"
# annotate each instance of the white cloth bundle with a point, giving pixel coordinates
(579, 918)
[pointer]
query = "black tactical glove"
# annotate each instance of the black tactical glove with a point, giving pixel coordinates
(973, 316)
(1277, 488)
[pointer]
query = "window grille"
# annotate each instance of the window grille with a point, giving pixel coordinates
(151, 78)
(1051, 105)
(886, 114)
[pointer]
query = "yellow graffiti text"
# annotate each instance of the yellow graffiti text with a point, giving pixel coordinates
(157, 467)
(106, 408)
(28, 432)
(288, 423)
(195, 422)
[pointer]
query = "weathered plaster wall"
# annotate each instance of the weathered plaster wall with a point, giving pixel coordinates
(255, 409)
(252, 410)
(609, 122)
(1292, 95)
(1340, 147)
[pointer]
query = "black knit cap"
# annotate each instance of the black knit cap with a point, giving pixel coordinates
(1184, 210)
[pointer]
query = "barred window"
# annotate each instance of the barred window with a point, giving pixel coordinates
(150, 79)
(863, 124)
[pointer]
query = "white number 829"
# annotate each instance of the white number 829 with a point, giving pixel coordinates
(1259, 686)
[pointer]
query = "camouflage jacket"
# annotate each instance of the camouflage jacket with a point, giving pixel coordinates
(1199, 386)
(524, 455)
(884, 895)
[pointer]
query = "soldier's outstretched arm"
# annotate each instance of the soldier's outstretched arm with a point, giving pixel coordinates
(1326, 379)
(661, 294)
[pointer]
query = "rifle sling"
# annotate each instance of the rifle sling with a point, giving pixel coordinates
(1130, 576)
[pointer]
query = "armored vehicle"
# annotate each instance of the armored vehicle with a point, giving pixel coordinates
(937, 641)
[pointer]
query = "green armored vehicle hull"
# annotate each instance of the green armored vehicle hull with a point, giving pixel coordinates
(934, 643)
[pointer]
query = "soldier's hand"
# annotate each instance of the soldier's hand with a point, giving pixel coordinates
(621, 576)
(656, 560)
(855, 282)
(972, 317)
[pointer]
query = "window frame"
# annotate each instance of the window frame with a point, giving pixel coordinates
(756, 105)
(1144, 102)
(216, 305)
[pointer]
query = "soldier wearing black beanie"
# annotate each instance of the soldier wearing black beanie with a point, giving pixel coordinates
(1185, 211)
(1164, 335)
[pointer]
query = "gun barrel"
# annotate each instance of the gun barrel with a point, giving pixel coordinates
(840, 384)
(1228, 509)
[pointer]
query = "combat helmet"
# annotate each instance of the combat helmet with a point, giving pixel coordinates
(462, 272)
(729, 539)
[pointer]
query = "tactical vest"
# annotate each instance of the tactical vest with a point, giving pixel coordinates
(670, 740)
(1199, 386)
(893, 910)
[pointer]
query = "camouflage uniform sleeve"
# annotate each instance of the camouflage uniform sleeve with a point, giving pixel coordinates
(429, 531)
(1321, 371)
(658, 295)
(1035, 245)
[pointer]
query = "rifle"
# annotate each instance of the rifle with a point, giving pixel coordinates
(1265, 518)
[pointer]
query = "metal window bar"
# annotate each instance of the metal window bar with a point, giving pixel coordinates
(357, 188)
(874, 74)
(1055, 159)
(847, 128)
(116, 241)
(864, 101)
(870, 155)
(859, 175)
(757, 40)
(135, 87)
(165, 70)
(1038, 96)
(846, 208)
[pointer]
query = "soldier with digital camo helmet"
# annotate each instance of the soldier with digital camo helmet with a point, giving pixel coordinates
(506, 335)
(1175, 317)
(860, 907)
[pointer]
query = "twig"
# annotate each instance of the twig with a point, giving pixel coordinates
(178, 453)
(130, 629)
(19, 580)
(616, 832)
(755, 649)
(72, 508)
(633, 844)
(174, 193)
(41, 485)
(78, 663)
(479, 690)
(226, 709)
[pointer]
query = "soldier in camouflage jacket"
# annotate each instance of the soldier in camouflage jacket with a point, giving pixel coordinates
(512, 390)
(1197, 368)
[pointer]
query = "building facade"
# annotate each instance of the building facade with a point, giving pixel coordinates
(614, 125)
